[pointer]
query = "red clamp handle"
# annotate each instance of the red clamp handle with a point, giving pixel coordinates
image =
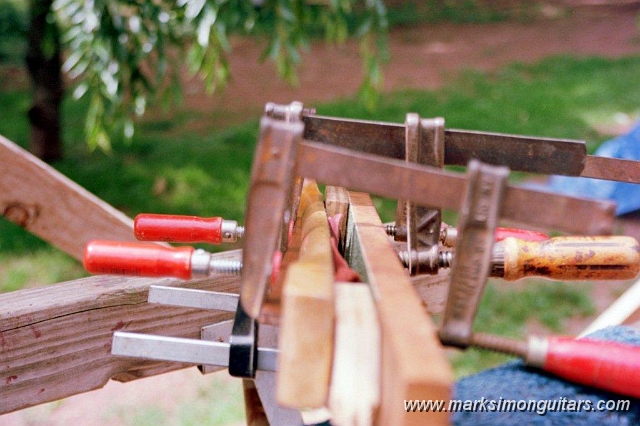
(180, 229)
(521, 234)
(610, 366)
(138, 259)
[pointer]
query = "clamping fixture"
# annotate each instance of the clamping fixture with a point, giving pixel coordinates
(399, 161)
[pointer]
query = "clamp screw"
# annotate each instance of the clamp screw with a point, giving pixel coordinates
(226, 266)
(428, 258)
(390, 228)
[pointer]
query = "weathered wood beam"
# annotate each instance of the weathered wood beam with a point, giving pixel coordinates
(414, 365)
(55, 341)
(48, 204)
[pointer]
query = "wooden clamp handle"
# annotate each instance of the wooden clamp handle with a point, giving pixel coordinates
(572, 258)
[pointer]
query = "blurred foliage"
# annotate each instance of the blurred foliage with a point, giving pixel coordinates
(13, 30)
(124, 54)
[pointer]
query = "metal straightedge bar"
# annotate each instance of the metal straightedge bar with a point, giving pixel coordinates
(178, 349)
(192, 298)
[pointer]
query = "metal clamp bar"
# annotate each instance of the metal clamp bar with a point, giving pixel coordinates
(192, 298)
(522, 153)
(416, 224)
(178, 349)
(406, 213)
(428, 186)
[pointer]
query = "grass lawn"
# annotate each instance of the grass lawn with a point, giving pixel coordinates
(171, 169)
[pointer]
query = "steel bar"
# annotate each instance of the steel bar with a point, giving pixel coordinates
(612, 169)
(221, 331)
(192, 351)
(435, 188)
(532, 154)
(192, 298)
(522, 153)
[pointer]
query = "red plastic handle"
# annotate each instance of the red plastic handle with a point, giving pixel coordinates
(521, 234)
(605, 365)
(179, 229)
(139, 259)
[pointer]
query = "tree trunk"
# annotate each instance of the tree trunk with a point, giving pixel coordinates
(43, 62)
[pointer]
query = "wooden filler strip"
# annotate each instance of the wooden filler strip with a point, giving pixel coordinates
(414, 365)
(307, 317)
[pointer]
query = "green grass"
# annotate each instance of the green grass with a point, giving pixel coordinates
(219, 402)
(509, 312)
(171, 169)
(466, 11)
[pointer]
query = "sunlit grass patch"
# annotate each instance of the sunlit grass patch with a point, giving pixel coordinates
(509, 312)
(37, 268)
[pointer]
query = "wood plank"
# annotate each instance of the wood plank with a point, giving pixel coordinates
(55, 341)
(306, 324)
(355, 378)
(414, 365)
(46, 203)
(624, 311)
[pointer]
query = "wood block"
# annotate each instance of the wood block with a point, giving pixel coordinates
(306, 323)
(624, 311)
(355, 379)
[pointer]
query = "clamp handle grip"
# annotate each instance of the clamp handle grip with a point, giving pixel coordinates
(572, 258)
(176, 228)
(610, 366)
(138, 259)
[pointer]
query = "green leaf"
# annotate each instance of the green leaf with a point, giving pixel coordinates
(123, 51)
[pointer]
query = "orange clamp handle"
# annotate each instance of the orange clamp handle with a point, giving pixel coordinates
(604, 365)
(179, 229)
(138, 259)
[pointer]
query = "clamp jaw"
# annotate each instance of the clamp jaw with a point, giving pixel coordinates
(613, 367)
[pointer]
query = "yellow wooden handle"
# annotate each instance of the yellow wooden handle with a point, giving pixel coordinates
(572, 258)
